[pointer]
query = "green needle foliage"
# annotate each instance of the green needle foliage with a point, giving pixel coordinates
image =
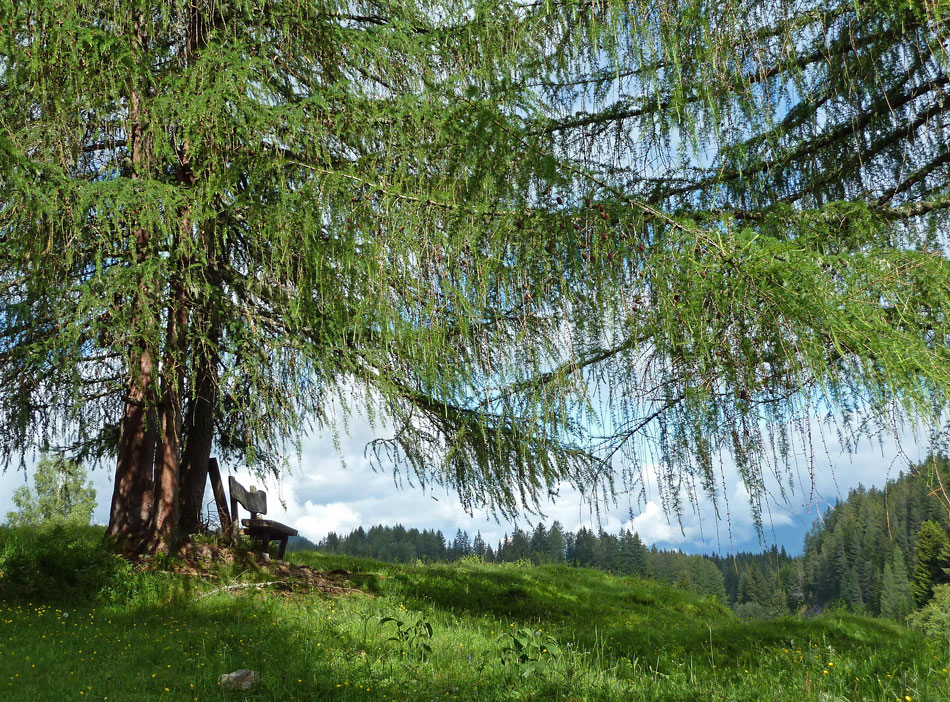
(897, 597)
(543, 243)
(931, 561)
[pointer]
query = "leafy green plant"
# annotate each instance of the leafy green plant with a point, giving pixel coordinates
(520, 563)
(934, 618)
(62, 494)
(413, 634)
(532, 650)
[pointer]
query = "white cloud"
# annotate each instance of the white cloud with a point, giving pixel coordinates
(319, 520)
(653, 526)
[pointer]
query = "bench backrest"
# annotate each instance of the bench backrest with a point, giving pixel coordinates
(253, 500)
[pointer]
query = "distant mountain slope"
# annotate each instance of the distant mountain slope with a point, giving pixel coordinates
(847, 550)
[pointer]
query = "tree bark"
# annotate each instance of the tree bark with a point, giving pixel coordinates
(165, 506)
(184, 461)
(131, 509)
(199, 420)
(132, 493)
(199, 433)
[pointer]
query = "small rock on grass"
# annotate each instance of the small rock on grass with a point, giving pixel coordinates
(238, 680)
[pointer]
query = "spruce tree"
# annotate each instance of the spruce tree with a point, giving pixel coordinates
(478, 546)
(930, 561)
(519, 547)
(607, 552)
(633, 554)
(706, 577)
(778, 603)
(585, 548)
(866, 528)
(753, 586)
(641, 555)
(461, 545)
(897, 597)
(539, 544)
(556, 544)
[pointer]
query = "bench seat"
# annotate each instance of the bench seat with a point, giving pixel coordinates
(255, 525)
(267, 530)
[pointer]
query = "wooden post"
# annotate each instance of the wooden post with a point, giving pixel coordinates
(217, 487)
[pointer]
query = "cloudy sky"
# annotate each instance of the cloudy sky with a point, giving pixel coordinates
(322, 496)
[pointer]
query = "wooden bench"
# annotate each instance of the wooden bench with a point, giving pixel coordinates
(264, 530)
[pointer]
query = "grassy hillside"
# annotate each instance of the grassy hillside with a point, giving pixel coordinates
(463, 632)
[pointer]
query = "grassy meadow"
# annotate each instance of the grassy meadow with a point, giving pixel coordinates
(470, 631)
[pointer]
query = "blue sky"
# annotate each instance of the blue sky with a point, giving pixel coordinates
(320, 496)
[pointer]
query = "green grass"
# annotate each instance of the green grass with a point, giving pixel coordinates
(609, 638)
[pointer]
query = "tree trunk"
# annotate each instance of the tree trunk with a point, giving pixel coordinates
(185, 456)
(199, 433)
(199, 422)
(131, 509)
(165, 507)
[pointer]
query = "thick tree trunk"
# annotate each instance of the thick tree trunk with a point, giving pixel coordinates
(175, 466)
(146, 512)
(199, 433)
(165, 500)
(199, 423)
(131, 509)
(165, 508)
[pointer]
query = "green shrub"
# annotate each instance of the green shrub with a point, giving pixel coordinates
(61, 563)
(934, 618)
(753, 610)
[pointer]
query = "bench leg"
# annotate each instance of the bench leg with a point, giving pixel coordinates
(283, 547)
(265, 544)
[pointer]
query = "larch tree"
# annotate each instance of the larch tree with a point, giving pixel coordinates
(546, 243)
(218, 217)
(783, 171)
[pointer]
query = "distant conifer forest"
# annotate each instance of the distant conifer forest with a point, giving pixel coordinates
(879, 551)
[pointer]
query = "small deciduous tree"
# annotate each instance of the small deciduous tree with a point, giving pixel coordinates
(61, 494)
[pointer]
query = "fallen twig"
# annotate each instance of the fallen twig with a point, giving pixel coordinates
(241, 586)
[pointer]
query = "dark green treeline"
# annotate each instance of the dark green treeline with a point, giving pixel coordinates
(866, 551)
(878, 551)
(623, 554)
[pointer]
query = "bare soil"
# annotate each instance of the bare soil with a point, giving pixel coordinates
(202, 559)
